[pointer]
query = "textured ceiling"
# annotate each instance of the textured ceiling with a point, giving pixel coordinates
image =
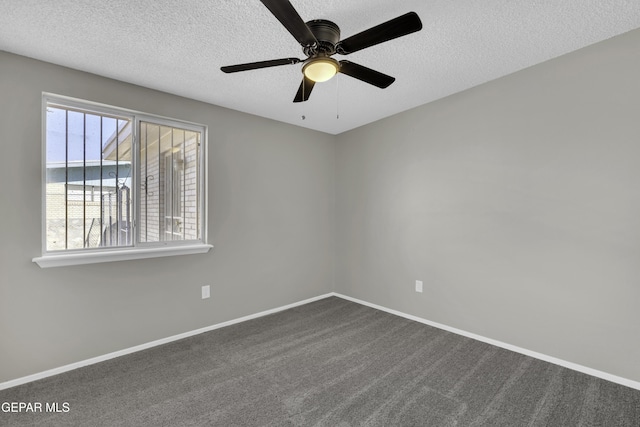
(179, 47)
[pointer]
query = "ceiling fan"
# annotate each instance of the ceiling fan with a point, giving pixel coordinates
(320, 39)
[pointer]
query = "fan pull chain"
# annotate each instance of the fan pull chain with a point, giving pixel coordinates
(337, 98)
(302, 106)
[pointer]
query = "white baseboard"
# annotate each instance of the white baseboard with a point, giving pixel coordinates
(534, 354)
(98, 359)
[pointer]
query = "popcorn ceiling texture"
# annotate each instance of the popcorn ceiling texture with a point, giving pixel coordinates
(179, 47)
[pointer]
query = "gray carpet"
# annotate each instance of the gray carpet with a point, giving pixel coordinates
(328, 363)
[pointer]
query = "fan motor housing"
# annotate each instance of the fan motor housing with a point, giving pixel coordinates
(328, 35)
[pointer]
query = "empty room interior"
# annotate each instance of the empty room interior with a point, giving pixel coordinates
(446, 232)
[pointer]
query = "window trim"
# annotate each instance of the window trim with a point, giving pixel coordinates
(97, 256)
(138, 250)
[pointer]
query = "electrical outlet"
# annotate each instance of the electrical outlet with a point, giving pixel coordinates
(418, 285)
(206, 292)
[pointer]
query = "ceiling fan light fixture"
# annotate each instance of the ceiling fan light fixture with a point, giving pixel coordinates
(320, 69)
(320, 39)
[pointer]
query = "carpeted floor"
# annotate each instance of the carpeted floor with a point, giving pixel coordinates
(328, 363)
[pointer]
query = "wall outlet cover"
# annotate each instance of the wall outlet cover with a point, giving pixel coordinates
(206, 291)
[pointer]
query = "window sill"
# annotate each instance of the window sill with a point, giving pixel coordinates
(93, 257)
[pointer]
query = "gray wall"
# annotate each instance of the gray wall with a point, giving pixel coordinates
(271, 219)
(517, 203)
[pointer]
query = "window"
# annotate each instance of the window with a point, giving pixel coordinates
(120, 184)
(168, 200)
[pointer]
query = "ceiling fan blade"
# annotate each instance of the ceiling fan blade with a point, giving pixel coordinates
(397, 27)
(304, 90)
(365, 74)
(260, 64)
(284, 11)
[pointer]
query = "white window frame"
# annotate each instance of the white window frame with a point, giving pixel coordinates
(138, 250)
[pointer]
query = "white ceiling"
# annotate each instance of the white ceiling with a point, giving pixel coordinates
(179, 47)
